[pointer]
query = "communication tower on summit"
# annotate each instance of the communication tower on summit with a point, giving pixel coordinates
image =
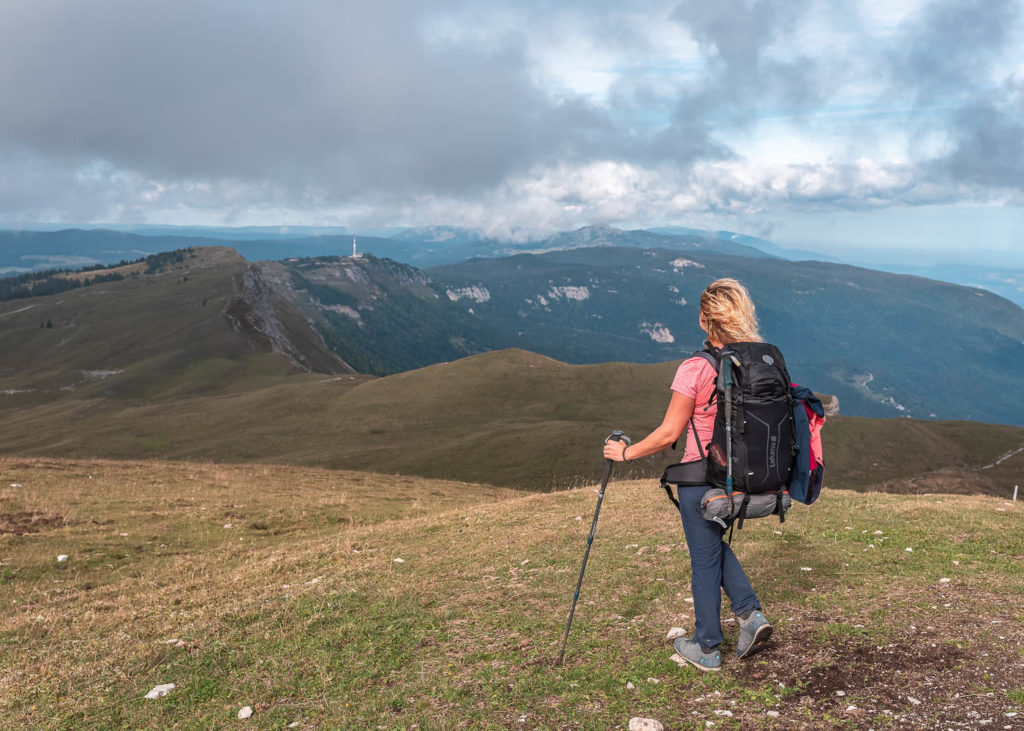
(355, 254)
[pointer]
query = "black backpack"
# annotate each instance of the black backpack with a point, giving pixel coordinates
(754, 399)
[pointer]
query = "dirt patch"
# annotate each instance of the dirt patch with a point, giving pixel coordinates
(28, 521)
(922, 680)
(856, 666)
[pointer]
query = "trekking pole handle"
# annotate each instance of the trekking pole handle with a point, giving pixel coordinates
(618, 436)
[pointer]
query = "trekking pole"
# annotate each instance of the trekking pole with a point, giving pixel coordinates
(615, 436)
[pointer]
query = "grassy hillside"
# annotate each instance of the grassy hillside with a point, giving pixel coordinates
(452, 617)
(509, 418)
(201, 322)
(887, 345)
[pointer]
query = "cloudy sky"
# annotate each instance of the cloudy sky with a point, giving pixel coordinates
(811, 122)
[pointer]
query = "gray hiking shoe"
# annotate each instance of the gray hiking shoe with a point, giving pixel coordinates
(754, 633)
(693, 653)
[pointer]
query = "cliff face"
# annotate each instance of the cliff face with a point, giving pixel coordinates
(259, 312)
(380, 316)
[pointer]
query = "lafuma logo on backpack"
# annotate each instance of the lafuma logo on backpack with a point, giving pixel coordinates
(773, 450)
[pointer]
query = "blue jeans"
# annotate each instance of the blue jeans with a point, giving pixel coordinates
(714, 567)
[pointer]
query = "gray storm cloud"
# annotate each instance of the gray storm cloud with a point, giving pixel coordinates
(342, 97)
(734, 35)
(946, 59)
(114, 107)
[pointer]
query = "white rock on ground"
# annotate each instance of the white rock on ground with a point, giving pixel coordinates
(774, 714)
(944, 581)
(676, 632)
(630, 686)
(244, 713)
(653, 680)
(293, 724)
(160, 691)
(678, 659)
(62, 558)
(645, 724)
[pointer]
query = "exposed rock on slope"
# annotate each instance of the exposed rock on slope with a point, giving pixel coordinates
(379, 315)
(256, 313)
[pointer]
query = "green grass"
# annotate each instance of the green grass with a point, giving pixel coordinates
(310, 618)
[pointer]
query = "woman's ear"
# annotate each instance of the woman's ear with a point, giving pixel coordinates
(702, 322)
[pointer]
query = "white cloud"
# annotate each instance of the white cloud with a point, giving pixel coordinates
(517, 119)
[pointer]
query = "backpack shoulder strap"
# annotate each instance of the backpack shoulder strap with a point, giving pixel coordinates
(709, 357)
(710, 354)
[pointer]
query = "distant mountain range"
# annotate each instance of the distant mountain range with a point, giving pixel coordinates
(199, 354)
(48, 247)
(886, 345)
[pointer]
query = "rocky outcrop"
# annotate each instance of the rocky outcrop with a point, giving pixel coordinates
(255, 313)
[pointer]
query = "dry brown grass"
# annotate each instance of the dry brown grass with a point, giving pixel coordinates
(318, 623)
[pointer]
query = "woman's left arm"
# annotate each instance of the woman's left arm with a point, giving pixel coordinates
(680, 408)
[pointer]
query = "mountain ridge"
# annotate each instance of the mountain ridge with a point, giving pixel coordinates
(884, 344)
(192, 325)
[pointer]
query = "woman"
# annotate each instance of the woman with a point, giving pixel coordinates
(727, 316)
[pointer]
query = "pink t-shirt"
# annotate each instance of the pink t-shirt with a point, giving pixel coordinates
(696, 378)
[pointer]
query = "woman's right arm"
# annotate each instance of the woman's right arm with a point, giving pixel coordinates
(679, 411)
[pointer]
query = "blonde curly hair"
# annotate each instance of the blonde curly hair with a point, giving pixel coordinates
(728, 313)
